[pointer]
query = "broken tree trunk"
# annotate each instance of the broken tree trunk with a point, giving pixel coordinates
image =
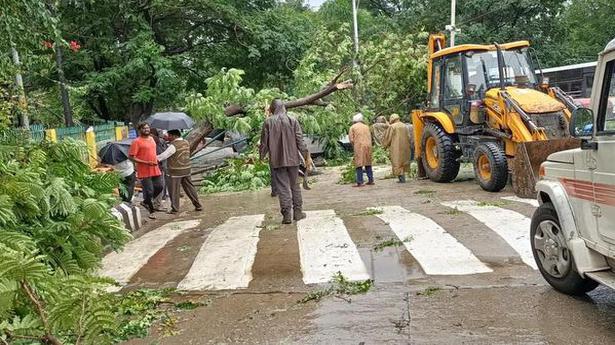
(199, 133)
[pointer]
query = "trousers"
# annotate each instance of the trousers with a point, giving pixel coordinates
(368, 170)
(185, 182)
(289, 192)
(152, 186)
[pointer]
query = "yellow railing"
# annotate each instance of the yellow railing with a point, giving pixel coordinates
(121, 133)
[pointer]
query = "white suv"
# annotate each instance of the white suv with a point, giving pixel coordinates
(573, 230)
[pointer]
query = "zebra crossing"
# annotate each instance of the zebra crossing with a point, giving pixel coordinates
(225, 259)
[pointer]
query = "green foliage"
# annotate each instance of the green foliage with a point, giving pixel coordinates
(137, 311)
(55, 221)
(348, 174)
(392, 242)
(340, 287)
(240, 174)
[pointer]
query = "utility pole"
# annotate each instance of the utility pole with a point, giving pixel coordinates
(24, 121)
(451, 28)
(68, 112)
(355, 26)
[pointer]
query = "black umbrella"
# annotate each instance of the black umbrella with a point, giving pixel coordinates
(170, 121)
(115, 152)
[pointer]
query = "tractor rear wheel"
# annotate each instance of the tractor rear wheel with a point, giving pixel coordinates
(440, 155)
(490, 167)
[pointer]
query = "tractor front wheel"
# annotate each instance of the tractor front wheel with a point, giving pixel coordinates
(440, 155)
(490, 167)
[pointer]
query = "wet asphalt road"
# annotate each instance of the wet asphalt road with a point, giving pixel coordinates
(510, 305)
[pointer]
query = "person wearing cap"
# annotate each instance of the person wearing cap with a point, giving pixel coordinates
(397, 140)
(361, 139)
(177, 156)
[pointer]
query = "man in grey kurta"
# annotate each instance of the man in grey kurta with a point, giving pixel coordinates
(282, 140)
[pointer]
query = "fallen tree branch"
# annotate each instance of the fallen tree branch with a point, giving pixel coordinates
(199, 133)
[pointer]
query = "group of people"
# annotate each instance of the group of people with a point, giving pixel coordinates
(162, 166)
(393, 135)
(282, 141)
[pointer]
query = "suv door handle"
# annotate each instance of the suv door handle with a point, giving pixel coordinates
(592, 164)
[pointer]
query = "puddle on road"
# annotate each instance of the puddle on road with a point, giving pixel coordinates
(391, 265)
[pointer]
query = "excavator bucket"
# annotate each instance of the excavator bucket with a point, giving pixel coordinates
(527, 162)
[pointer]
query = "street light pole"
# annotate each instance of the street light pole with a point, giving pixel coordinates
(453, 28)
(355, 26)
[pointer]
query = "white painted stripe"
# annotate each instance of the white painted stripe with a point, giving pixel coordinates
(512, 226)
(117, 214)
(138, 218)
(325, 248)
(125, 264)
(131, 219)
(226, 257)
(436, 250)
(532, 202)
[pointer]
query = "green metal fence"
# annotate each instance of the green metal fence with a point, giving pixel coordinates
(37, 132)
(76, 132)
(105, 132)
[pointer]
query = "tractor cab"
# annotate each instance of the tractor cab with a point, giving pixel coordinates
(462, 77)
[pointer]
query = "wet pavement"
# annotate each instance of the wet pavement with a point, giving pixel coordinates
(510, 305)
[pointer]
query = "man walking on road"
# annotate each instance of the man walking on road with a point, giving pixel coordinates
(397, 140)
(361, 139)
(179, 169)
(282, 140)
(143, 153)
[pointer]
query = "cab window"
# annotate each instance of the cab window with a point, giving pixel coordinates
(453, 79)
(435, 85)
(606, 114)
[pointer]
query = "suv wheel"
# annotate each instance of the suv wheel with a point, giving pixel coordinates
(554, 259)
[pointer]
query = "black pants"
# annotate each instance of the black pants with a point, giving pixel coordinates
(129, 186)
(152, 186)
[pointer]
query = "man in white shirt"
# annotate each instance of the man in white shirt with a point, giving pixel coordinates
(126, 170)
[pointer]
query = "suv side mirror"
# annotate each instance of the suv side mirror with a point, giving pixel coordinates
(582, 123)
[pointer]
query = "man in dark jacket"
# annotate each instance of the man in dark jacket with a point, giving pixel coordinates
(282, 140)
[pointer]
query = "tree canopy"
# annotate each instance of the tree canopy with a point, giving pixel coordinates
(125, 59)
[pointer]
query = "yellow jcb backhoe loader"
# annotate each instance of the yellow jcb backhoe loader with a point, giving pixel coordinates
(486, 106)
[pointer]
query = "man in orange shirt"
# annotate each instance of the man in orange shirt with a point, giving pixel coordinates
(143, 154)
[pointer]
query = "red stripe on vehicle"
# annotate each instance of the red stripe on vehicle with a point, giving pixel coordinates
(600, 193)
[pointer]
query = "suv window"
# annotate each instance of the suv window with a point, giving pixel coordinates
(606, 115)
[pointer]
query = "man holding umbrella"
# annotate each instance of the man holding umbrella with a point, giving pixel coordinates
(179, 169)
(177, 156)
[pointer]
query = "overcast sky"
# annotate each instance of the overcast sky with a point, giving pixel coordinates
(315, 3)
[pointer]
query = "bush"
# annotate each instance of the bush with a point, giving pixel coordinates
(55, 223)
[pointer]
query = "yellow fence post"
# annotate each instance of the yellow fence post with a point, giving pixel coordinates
(90, 140)
(119, 135)
(51, 135)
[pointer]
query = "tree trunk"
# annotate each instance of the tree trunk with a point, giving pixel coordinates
(68, 112)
